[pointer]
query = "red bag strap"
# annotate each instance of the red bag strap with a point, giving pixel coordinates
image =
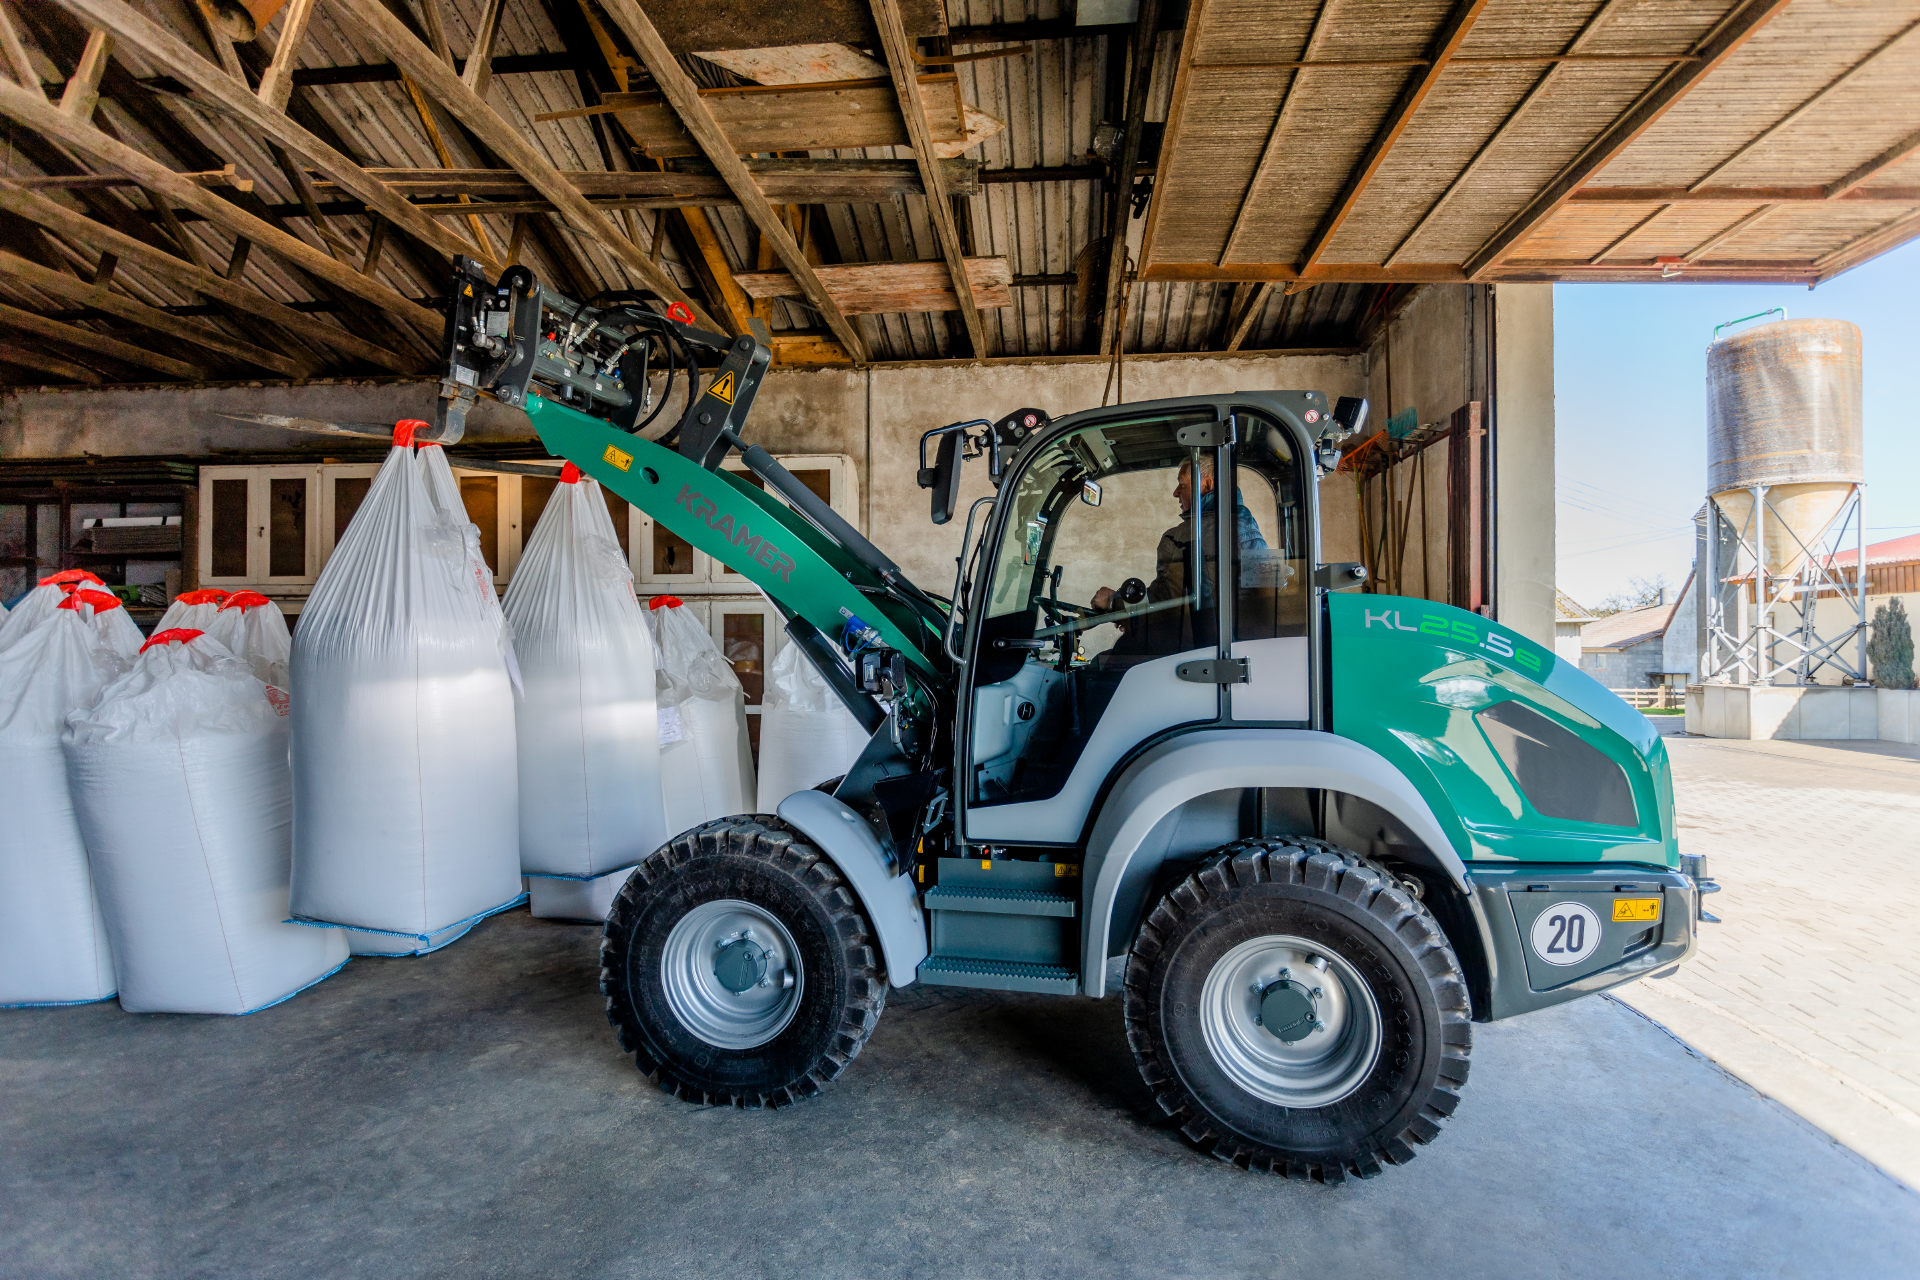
(403, 431)
(98, 601)
(665, 602)
(68, 577)
(243, 600)
(170, 636)
(206, 595)
(569, 474)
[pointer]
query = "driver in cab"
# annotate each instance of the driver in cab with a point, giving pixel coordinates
(1175, 630)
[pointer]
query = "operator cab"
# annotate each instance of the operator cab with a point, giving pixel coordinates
(1097, 622)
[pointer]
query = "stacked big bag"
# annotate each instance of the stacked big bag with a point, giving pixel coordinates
(706, 761)
(406, 815)
(589, 741)
(807, 735)
(179, 777)
(60, 647)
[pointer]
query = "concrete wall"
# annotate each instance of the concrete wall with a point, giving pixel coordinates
(1626, 668)
(1523, 459)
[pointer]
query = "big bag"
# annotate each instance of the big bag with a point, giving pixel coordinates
(53, 592)
(194, 610)
(807, 735)
(706, 764)
(405, 788)
(589, 743)
(252, 628)
(54, 947)
(180, 781)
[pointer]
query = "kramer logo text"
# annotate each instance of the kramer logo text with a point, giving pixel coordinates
(761, 549)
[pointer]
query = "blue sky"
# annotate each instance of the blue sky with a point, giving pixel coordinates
(1631, 403)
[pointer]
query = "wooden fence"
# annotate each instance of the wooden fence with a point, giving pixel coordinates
(1665, 697)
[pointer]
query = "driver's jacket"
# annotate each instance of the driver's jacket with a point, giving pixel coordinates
(1178, 630)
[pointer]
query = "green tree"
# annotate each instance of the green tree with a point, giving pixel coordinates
(1890, 646)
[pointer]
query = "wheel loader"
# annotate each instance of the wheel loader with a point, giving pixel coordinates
(1147, 738)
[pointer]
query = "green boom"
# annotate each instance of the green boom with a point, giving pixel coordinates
(755, 535)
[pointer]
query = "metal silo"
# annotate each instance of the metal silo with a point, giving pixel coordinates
(1784, 471)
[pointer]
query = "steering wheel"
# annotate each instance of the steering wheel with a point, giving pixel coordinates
(1058, 611)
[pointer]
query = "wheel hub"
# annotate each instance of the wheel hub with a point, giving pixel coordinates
(1290, 1021)
(1288, 1011)
(731, 973)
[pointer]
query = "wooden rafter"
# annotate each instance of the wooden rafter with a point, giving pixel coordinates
(684, 96)
(168, 51)
(276, 86)
(1744, 195)
(83, 230)
(1146, 31)
(877, 288)
(1787, 121)
(1719, 238)
(1870, 245)
(1850, 185)
(1242, 320)
(30, 108)
(19, 66)
(1270, 153)
(28, 358)
(82, 93)
(906, 89)
(1601, 18)
(439, 82)
(206, 337)
(73, 335)
(732, 299)
(1445, 45)
(1719, 45)
(479, 68)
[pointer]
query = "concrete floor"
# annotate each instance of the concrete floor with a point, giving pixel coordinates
(467, 1113)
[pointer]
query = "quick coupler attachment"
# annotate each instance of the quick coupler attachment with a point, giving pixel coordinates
(1695, 865)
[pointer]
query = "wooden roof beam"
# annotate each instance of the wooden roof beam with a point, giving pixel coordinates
(684, 96)
(167, 51)
(906, 88)
(72, 335)
(82, 92)
(1890, 235)
(1445, 45)
(1745, 195)
(1717, 46)
(276, 86)
(83, 230)
(1849, 186)
(438, 81)
(28, 358)
(30, 108)
(14, 50)
(206, 337)
(1242, 321)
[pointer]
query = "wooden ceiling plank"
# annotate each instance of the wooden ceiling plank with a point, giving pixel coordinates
(1594, 25)
(1613, 246)
(82, 93)
(1715, 48)
(14, 49)
(1871, 245)
(1784, 122)
(1289, 273)
(276, 86)
(1849, 185)
(445, 88)
(203, 336)
(1243, 327)
(1446, 43)
(30, 108)
(1745, 195)
(899, 55)
(27, 358)
(169, 52)
(684, 96)
(1146, 32)
(1719, 238)
(1176, 120)
(74, 335)
(84, 230)
(877, 288)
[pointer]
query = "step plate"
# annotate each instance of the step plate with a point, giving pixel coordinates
(1010, 902)
(998, 975)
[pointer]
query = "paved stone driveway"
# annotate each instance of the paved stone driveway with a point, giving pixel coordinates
(1810, 990)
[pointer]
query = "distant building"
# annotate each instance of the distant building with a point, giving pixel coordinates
(1630, 650)
(1568, 619)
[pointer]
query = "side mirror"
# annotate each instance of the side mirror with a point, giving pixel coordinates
(943, 477)
(1350, 414)
(1091, 493)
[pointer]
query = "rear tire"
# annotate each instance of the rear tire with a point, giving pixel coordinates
(671, 1008)
(1376, 1049)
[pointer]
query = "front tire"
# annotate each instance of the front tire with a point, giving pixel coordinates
(1294, 1008)
(738, 966)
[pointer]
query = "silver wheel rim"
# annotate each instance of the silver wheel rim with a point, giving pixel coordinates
(1321, 1068)
(695, 992)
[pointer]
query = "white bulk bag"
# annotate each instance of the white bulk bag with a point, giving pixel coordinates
(252, 628)
(192, 610)
(589, 744)
(180, 780)
(405, 795)
(807, 735)
(38, 604)
(53, 941)
(706, 761)
(558, 898)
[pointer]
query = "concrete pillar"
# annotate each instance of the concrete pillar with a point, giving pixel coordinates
(1523, 459)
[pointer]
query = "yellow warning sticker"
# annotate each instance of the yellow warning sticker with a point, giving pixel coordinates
(1636, 908)
(722, 388)
(1065, 869)
(986, 865)
(618, 457)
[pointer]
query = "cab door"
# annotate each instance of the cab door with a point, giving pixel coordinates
(1095, 584)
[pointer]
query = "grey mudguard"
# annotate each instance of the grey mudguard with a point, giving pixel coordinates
(1197, 764)
(889, 900)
